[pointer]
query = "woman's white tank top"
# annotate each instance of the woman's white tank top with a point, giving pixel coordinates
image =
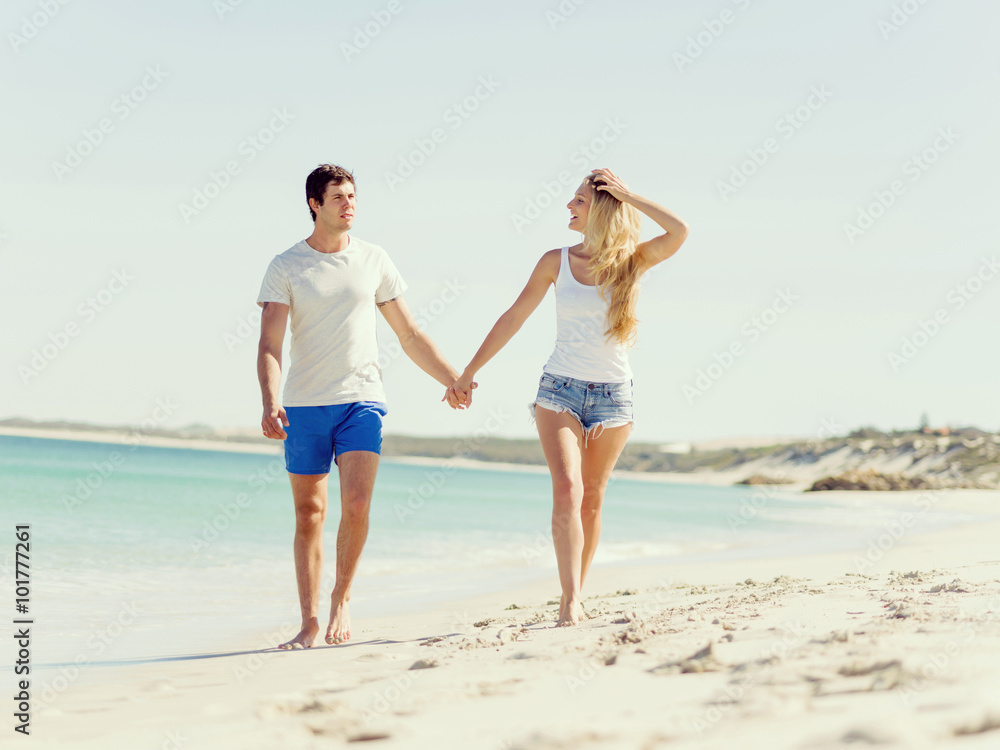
(582, 350)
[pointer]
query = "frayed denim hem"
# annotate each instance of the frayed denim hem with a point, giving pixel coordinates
(593, 432)
(551, 406)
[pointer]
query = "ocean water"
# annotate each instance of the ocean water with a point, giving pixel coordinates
(140, 552)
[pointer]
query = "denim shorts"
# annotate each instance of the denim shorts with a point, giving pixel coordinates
(595, 405)
(317, 433)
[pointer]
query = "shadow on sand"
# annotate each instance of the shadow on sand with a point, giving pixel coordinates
(225, 654)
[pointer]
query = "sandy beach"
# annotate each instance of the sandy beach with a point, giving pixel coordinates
(897, 645)
(739, 256)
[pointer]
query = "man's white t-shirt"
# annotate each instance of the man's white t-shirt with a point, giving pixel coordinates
(332, 296)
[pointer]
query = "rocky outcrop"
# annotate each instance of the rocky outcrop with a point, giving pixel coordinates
(765, 479)
(869, 479)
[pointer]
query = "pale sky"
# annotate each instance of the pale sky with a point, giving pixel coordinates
(836, 164)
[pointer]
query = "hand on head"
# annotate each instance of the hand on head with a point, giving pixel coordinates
(608, 182)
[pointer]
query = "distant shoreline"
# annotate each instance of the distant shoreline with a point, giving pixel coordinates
(134, 438)
(124, 438)
(862, 460)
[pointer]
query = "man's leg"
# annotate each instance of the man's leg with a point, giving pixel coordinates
(309, 492)
(357, 483)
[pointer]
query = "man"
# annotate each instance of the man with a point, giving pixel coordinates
(330, 284)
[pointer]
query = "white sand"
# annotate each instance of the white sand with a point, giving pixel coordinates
(825, 651)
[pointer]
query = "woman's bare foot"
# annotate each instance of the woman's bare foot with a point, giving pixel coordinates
(569, 612)
(305, 637)
(339, 630)
(562, 603)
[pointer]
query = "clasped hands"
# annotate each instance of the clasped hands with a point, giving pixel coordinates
(459, 394)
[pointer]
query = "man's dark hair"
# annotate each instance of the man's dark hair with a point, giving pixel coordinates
(319, 178)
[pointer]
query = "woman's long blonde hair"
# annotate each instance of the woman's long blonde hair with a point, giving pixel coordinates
(611, 238)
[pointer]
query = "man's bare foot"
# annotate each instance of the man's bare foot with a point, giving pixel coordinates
(569, 613)
(305, 637)
(339, 630)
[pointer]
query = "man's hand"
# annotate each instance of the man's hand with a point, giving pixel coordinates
(459, 393)
(273, 419)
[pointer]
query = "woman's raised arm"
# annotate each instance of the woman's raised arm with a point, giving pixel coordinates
(545, 273)
(659, 248)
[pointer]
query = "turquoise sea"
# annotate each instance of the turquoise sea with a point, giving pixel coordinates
(140, 552)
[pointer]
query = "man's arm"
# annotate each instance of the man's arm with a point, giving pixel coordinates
(417, 344)
(273, 321)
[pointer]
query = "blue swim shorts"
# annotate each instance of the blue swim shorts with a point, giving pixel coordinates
(317, 435)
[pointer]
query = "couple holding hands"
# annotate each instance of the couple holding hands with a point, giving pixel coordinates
(333, 400)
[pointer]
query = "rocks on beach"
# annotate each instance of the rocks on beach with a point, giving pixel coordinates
(869, 479)
(765, 479)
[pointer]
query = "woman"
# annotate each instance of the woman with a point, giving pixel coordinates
(583, 410)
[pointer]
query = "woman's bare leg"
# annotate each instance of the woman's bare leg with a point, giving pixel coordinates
(598, 461)
(562, 442)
